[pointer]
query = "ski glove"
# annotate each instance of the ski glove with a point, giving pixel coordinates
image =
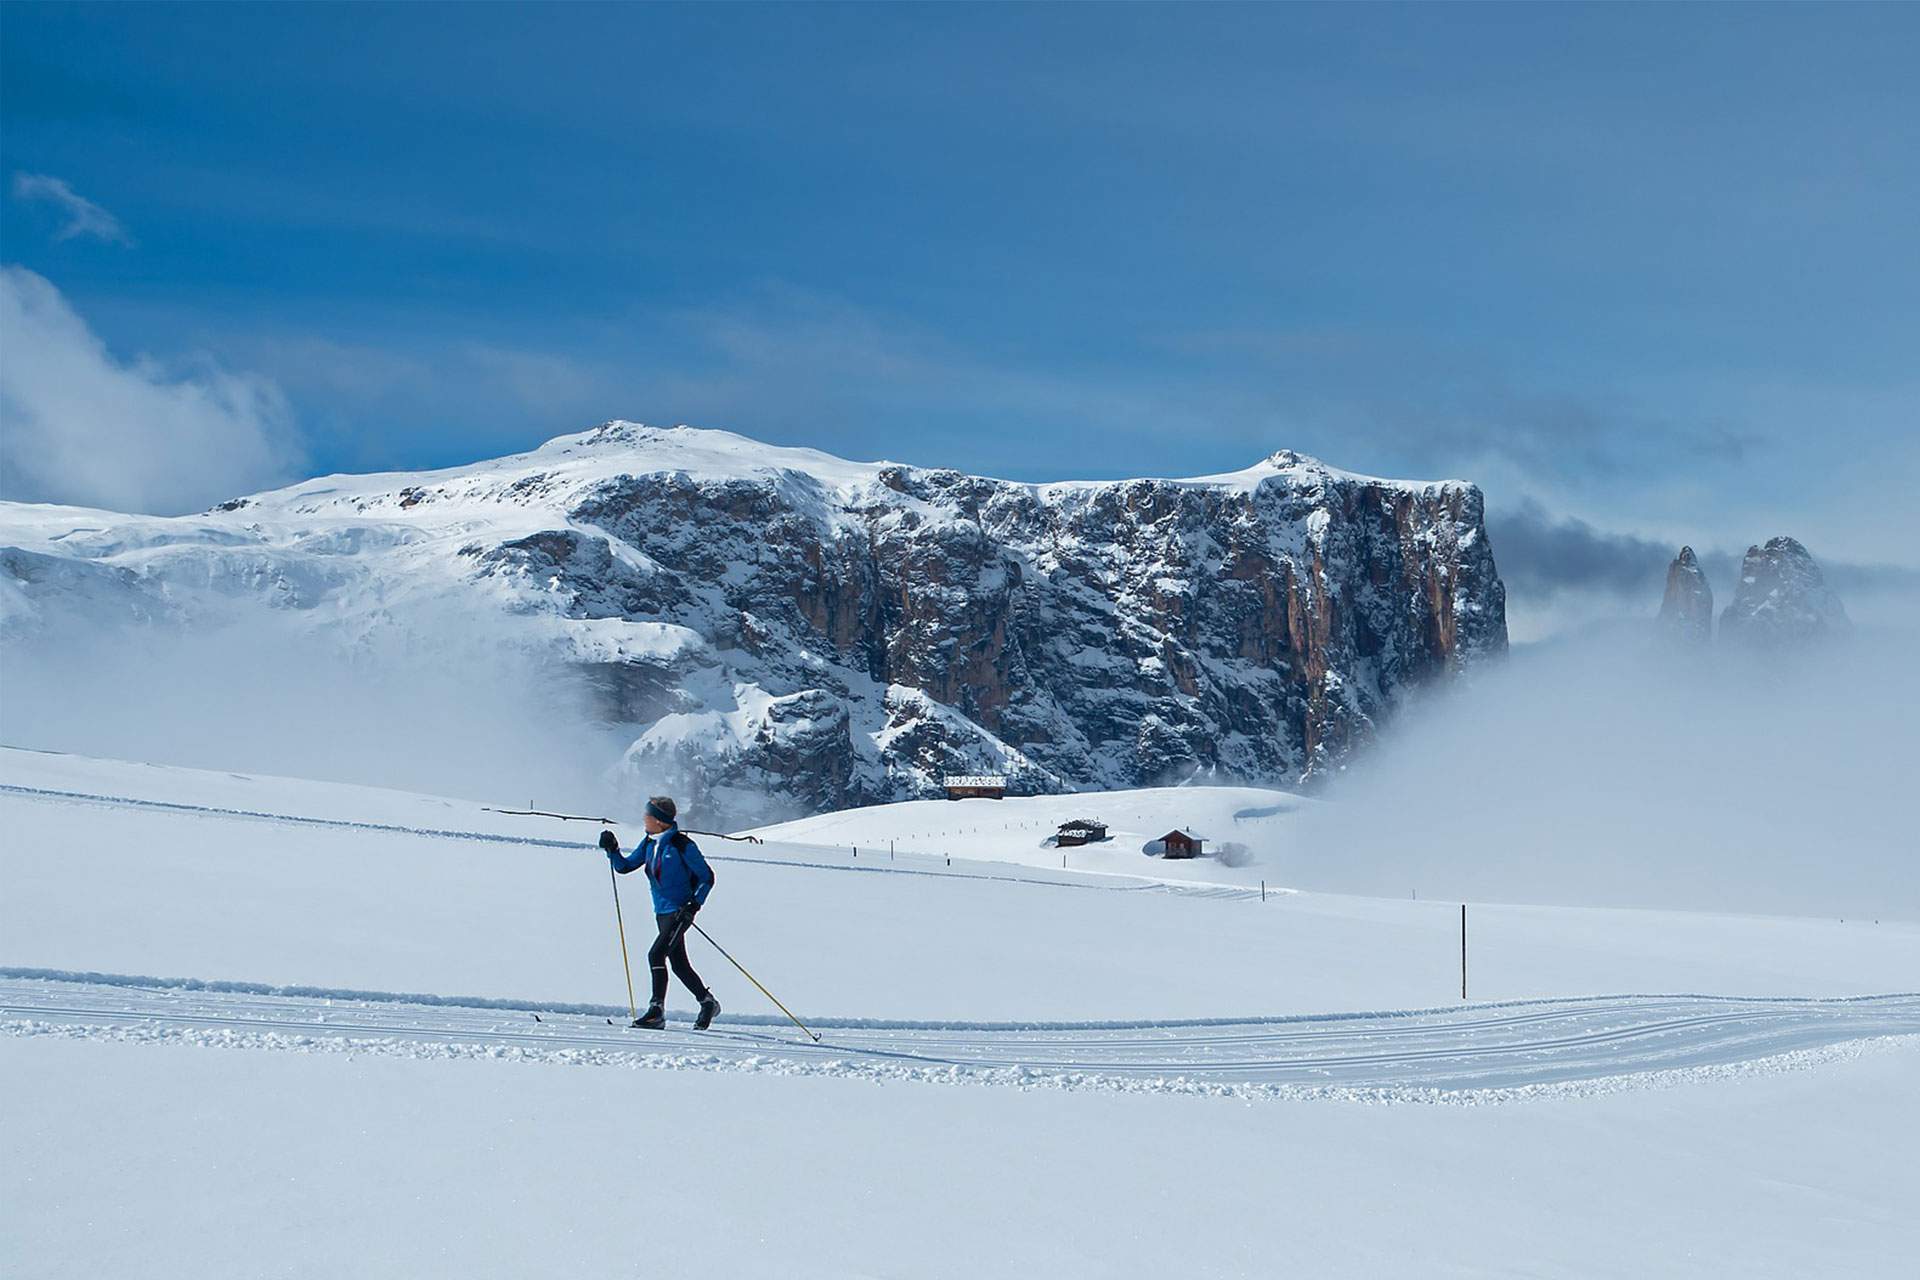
(610, 842)
(687, 913)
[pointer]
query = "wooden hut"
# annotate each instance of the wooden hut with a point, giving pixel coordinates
(976, 786)
(1080, 831)
(1182, 844)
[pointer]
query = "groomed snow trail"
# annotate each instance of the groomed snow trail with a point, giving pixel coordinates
(1475, 1053)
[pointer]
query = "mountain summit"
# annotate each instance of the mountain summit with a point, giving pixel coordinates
(1686, 611)
(1782, 603)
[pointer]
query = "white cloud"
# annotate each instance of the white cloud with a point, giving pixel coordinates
(83, 216)
(79, 426)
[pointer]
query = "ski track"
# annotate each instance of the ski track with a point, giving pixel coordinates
(1084, 880)
(1473, 1054)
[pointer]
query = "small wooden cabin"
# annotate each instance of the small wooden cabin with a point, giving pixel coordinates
(976, 786)
(1182, 844)
(1080, 831)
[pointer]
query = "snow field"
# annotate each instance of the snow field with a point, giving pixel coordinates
(125, 889)
(151, 1128)
(239, 1164)
(1017, 828)
(95, 886)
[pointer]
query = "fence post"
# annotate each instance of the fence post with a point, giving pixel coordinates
(1263, 891)
(1463, 951)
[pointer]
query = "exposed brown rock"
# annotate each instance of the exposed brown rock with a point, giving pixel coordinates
(1686, 611)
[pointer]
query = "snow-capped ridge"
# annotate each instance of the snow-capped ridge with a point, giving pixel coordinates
(618, 448)
(1293, 467)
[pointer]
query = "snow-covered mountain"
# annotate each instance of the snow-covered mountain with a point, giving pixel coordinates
(785, 631)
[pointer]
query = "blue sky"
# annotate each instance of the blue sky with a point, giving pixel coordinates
(1649, 268)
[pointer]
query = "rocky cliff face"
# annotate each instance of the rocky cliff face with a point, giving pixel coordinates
(1686, 611)
(784, 631)
(914, 623)
(1782, 603)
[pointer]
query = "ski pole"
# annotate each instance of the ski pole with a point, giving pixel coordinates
(608, 822)
(622, 926)
(721, 835)
(542, 813)
(756, 982)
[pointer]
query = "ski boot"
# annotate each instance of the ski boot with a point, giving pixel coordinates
(654, 1019)
(709, 1007)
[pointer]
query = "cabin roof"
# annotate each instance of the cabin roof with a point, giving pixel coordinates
(974, 780)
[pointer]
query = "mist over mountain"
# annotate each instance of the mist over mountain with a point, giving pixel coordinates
(1654, 761)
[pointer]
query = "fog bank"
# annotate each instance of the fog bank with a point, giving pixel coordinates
(1612, 770)
(431, 710)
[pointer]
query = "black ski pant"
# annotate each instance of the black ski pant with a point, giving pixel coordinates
(671, 945)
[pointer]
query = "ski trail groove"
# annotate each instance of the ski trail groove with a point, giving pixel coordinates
(1564, 1043)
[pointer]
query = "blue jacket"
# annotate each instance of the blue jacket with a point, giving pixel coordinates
(676, 870)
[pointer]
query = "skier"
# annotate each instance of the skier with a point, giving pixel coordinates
(681, 880)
